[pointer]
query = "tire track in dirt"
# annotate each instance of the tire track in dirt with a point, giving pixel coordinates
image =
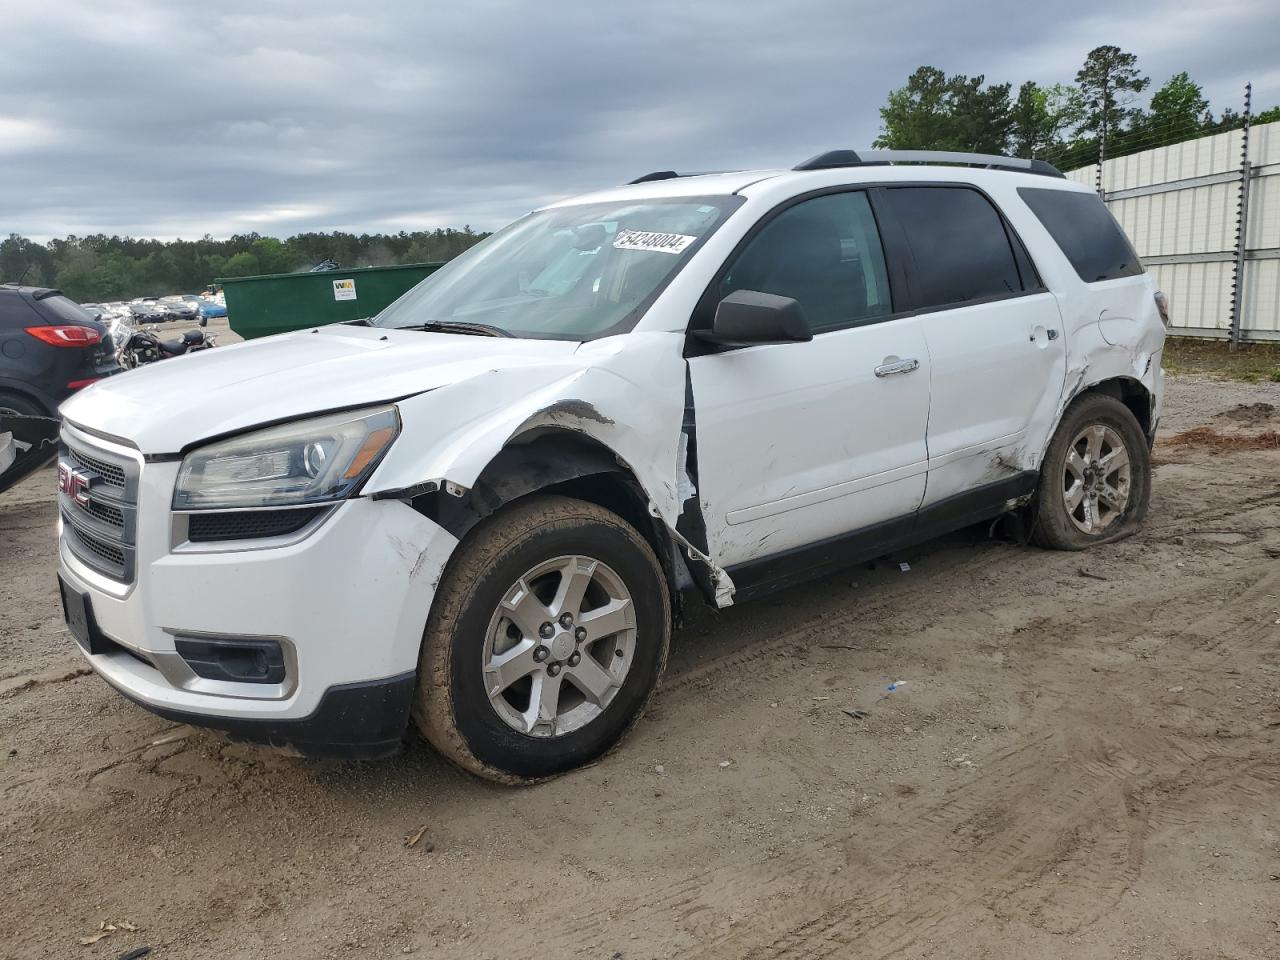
(996, 861)
(1019, 836)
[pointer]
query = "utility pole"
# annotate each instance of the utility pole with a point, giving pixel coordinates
(1102, 156)
(1242, 225)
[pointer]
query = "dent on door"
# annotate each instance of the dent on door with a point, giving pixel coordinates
(996, 372)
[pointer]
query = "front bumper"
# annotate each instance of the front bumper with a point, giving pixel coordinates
(353, 721)
(347, 599)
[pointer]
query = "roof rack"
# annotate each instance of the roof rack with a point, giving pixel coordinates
(879, 158)
(656, 175)
(672, 175)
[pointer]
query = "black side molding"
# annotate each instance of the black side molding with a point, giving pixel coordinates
(766, 574)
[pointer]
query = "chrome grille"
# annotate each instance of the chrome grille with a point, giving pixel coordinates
(106, 513)
(111, 473)
(100, 548)
(98, 499)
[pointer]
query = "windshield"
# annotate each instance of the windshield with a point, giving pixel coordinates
(568, 273)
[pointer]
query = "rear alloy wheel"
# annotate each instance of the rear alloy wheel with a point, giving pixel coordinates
(546, 639)
(1096, 479)
(1095, 482)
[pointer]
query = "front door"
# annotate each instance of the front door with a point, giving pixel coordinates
(800, 443)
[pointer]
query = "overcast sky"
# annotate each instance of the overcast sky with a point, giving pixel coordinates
(183, 117)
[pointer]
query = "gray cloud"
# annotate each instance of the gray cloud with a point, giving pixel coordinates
(168, 119)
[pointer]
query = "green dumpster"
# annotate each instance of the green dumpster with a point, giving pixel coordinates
(261, 306)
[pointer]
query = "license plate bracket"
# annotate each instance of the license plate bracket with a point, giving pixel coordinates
(77, 610)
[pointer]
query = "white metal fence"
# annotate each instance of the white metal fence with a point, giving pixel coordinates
(1181, 207)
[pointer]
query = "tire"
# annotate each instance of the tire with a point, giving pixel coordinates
(1093, 424)
(472, 626)
(41, 434)
(23, 406)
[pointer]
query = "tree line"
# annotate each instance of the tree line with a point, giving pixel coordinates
(1068, 124)
(100, 268)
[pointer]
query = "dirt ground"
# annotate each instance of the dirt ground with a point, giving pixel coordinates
(1080, 758)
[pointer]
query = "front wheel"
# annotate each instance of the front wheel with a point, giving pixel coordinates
(1095, 483)
(546, 639)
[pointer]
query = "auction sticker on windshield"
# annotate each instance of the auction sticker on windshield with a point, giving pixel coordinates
(344, 289)
(643, 240)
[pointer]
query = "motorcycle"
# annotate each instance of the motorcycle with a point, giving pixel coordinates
(135, 347)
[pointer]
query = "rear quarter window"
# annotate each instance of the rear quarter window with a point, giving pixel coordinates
(1085, 230)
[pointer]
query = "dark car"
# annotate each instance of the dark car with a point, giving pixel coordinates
(148, 311)
(49, 349)
(179, 309)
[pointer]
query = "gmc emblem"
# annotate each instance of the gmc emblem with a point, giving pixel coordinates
(74, 483)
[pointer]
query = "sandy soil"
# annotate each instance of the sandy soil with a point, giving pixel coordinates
(1082, 762)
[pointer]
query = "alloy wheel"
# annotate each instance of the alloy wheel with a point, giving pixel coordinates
(1096, 478)
(559, 646)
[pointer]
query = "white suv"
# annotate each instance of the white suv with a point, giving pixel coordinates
(478, 510)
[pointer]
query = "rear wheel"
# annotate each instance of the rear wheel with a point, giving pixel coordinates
(1095, 483)
(546, 639)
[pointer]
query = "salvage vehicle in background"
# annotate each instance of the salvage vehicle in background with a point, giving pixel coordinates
(482, 508)
(49, 349)
(208, 309)
(147, 311)
(179, 308)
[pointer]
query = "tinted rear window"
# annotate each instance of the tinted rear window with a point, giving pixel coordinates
(959, 245)
(1085, 230)
(60, 309)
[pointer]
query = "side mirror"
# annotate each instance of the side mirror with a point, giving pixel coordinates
(747, 317)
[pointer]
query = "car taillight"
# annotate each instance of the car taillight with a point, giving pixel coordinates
(1162, 304)
(68, 335)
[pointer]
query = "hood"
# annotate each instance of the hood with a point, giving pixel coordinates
(164, 407)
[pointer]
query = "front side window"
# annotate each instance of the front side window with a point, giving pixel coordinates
(959, 247)
(1088, 234)
(823, 253)
(566, 273)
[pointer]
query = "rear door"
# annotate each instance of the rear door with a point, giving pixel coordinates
(997, 358)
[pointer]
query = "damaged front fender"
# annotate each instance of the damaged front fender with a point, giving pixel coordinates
(455, 435)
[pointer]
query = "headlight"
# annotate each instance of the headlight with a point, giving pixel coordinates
(312, 461)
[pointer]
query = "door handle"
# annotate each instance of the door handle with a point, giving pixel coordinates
(1051, 334)
(892, 366)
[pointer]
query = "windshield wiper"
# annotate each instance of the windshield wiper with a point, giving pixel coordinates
(456, 326)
